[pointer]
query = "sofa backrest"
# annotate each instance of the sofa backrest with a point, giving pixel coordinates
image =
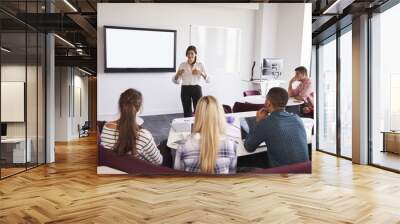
(132, 165)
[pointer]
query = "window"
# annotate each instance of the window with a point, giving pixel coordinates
(385, 89)
(346, 93)
(327, 97)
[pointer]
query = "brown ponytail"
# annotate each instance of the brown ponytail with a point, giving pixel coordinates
(130, 102)
(192, 48)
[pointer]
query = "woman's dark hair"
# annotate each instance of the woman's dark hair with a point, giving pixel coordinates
(192, 48)
(129, 103)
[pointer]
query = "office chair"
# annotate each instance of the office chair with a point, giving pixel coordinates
(244, 107)
(84, 130)
(227, 109)
(251, 93)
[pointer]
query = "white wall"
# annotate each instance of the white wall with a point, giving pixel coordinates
(267, 21)
(267, 31)
(79, 117)
(66, 121)
(62, 80)
(160, 94)
(284, 31)
(293, 43)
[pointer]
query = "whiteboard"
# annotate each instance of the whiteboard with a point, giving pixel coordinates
(218, 48)
(137, 48)
(12, 101)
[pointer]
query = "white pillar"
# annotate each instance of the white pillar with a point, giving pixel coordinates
(360, 90)
(50, 99)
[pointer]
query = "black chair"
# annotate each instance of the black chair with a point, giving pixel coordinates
(84, 130)
(244, 107)
(251, 93)
(227, 109)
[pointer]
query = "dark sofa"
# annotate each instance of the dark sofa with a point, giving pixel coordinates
(134, 166)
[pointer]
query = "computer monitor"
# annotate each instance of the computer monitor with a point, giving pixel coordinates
(271, 68)
(3, 129)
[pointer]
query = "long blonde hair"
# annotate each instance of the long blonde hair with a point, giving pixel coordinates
(210, 123)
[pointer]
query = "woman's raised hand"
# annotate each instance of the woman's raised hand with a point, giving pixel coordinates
(180, 72)
(196, 71)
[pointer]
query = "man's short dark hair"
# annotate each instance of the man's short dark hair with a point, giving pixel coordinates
(301, 69)
(278, 96)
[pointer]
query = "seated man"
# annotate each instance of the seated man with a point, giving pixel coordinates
(303, 91)
(283, 133)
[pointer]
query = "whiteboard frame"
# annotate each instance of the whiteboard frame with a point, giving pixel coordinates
(137, 70)
(24, 104)
(238, 72)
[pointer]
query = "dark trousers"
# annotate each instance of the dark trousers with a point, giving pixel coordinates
(166, 154)
(258, 160)
(190, 95)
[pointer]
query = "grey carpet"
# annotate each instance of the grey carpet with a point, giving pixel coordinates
(159, 125)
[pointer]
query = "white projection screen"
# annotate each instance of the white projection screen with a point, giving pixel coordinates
(139, 49)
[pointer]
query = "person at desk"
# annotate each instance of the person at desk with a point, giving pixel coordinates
(283, 133)
(303, 91)
(190, 73)
(207, 150)
(125, 136)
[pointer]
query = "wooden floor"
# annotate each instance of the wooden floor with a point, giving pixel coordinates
(387, 159)
(10, 171)
(69, 191)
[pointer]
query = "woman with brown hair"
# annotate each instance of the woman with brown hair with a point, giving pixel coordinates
(208, 150)
(125, 136)
(190, 74)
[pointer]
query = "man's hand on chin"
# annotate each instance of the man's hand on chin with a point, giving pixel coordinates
(261, 114)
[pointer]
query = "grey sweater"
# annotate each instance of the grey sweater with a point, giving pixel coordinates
(285, 137)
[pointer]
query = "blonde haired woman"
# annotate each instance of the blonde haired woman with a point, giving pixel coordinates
(207, 150)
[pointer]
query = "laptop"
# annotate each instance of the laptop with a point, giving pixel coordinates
(247, 124)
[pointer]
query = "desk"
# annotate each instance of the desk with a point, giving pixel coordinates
(16, 148)
(293, 105)
(391, 141)
(265, 85)
(260, 99)
(233, 131)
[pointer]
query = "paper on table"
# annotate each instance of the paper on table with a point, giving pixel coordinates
(182, 137)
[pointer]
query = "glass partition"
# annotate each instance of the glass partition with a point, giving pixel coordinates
(326, 105)
(14, 144)
(22, 64)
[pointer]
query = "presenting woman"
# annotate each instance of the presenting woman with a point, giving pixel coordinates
(190, 73)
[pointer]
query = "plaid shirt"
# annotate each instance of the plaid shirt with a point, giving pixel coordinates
(188, 156)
